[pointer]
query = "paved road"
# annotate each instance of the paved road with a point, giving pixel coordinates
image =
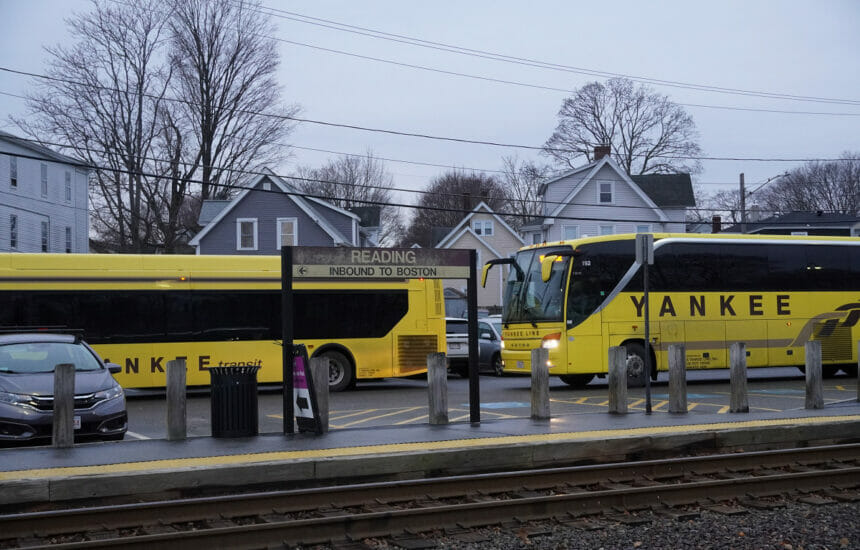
(404, 401)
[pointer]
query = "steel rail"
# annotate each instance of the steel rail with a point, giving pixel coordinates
(671, 470)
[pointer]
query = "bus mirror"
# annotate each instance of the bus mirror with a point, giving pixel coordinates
(484, 274)
(546, 266)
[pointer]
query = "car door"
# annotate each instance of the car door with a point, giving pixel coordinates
(486, 342)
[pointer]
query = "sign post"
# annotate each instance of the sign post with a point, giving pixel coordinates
(321, 263)
(645, 257)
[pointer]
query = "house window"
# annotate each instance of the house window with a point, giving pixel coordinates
(44, 236)
(44, 179)
(13, 231)
(606, 193)
(246, 234)
(643, 228)
(536, 238)
(13, 171)
(68, 240)
(68, 187)
(287, 232)
(483, 227)
(569, 232)
(267, 186)
(607, 229)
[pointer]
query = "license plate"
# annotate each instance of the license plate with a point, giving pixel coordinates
(520, 365)
(454, 346)
(77, 422)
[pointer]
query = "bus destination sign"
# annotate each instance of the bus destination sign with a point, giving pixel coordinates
(318, 262)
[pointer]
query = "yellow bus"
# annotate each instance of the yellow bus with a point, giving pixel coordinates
(140, 311)
(773, 293)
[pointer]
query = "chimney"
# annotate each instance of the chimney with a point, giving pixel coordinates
(601, 151)
(716, 224)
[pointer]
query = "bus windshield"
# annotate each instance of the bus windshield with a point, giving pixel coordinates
(531, 299)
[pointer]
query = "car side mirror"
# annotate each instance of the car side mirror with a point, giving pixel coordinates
(487, 335)
(113, 368)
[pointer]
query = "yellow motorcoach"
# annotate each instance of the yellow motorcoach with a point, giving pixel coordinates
(774, 293)
(140, 311)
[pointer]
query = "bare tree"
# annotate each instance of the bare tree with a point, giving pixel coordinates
(354, 181)
(448, 199)
(647, 132)
(832, 186)
(522, 180)
(102, 101)
(224, 62)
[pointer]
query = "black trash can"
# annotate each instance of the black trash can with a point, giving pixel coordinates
(234, 401)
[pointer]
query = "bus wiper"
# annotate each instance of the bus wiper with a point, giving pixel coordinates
(528, 311)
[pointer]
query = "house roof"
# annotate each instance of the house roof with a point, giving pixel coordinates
(593, 169)
(211, 208)
(456, 232)
(290, 192)
(40, 150)
(667, 190)
(797, 220)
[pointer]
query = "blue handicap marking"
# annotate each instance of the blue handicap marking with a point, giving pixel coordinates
(782, 392)
(689, 396)
(502, 405)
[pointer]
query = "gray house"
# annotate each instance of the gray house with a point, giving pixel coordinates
(600, 198)
(43, 199)
(269, 214)
(803, 223)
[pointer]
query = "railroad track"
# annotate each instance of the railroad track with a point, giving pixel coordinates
(312, 516)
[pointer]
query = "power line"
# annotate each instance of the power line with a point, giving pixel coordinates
(524, 84)
(414, 134)
(328, 23)
(326, 198)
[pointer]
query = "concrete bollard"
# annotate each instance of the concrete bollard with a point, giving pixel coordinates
(319, 372)
(814, 391)
(540, 384)
(618, 380)
(437, 388)
(177, 401)
(677, 378)
(64, 406)
(738, 375)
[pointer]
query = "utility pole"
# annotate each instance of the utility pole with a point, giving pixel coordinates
(743, 206)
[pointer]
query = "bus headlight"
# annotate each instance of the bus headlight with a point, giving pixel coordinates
(550, 341)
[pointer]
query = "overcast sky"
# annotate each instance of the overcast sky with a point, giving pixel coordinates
(799, 48)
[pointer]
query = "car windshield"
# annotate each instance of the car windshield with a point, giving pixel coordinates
(34, 357)
(530, 299)
(497, 326)
(457, 327)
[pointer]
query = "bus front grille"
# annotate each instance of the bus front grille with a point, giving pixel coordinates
(835, 340)
(412, 351)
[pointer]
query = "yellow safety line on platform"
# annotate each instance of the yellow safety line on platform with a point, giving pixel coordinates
(231, 460)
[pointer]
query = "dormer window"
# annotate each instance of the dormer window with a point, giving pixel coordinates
(606, 192)
(483, 227)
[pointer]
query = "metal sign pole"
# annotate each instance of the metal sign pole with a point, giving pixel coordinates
(644, 257)
(287, 336)
(472, 297)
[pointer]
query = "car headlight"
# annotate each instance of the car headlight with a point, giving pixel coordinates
(112, 393)
(18, 399)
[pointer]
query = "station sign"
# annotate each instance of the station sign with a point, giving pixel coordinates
(319, 262)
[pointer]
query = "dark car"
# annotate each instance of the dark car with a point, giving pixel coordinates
(489, 345)
(27, 364)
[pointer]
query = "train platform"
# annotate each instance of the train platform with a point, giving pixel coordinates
(136, 467)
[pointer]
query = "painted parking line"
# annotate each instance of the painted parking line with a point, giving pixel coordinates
(377, 417)
(137, 435)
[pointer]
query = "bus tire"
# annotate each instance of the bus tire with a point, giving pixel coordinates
(498, 368)
(341, 373)
(635, 364)
(829, 371)
(850, 370)
(576, 380)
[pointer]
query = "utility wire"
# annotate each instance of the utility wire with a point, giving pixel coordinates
(414, 134)
(330, 199)
(364, 31)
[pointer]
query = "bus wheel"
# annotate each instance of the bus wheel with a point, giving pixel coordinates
(498, 369)
(850, 370)
(829, 371)
(635, 365)
(576, 380)
(341, 374)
